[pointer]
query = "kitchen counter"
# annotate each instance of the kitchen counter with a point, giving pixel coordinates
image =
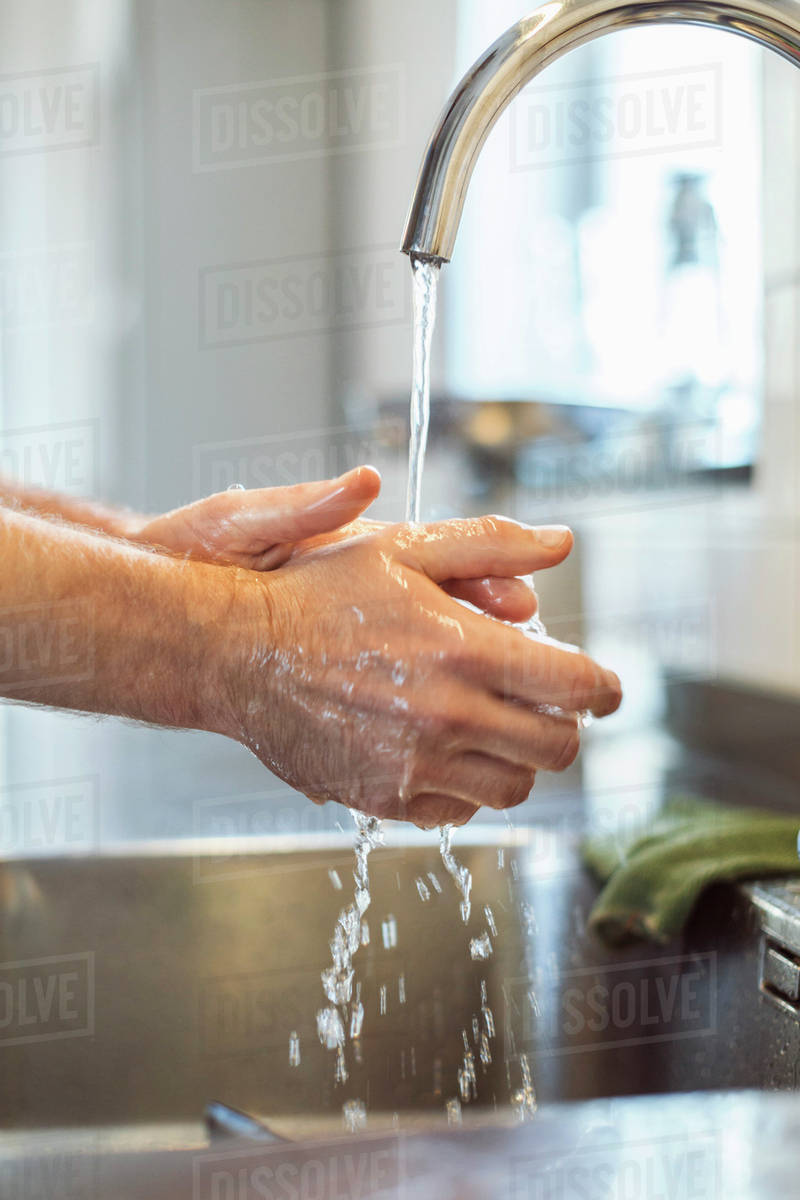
(737, 1145)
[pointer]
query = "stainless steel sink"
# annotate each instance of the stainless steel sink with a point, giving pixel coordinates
(137, 987)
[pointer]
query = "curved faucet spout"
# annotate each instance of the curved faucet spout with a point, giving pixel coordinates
(520, 54)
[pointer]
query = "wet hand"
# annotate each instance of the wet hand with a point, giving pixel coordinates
(258, 529)
(261, 528)
(355, 677)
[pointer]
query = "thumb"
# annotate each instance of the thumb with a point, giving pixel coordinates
(269, 516)
(257, 528)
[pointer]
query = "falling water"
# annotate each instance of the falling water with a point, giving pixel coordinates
(342, 1012)
(425, 278)
(345, 1013)
(351, 930)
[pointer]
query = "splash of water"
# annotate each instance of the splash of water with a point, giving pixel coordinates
(461, 875)
(354, 1113)
(337, 980)
(524, 1099)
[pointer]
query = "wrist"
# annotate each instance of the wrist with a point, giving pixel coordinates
(209, 635)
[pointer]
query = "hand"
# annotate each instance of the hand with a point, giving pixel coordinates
(257, 529)
(353, 676)
(262, 528)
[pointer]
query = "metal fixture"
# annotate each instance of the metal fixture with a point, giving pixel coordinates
(526, 49)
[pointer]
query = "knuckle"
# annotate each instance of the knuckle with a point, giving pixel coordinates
(568, 749)
(518, 791)
(216, 507)
(582, 684)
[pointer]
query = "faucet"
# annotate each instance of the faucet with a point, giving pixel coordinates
(520, 54)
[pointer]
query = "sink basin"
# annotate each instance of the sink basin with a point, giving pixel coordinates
(136, 987)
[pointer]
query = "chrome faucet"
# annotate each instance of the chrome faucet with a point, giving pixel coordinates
(520, 54)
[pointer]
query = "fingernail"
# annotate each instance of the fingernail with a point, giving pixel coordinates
(552, 536)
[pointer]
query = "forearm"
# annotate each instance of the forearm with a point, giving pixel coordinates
(93, 624)
(77, 511)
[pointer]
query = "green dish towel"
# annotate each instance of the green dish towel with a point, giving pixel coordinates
(654, 876)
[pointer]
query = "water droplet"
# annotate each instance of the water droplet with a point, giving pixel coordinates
(356, 1020)
(480, 947)
(355, 1115)
(461, 875)
(330, 1028)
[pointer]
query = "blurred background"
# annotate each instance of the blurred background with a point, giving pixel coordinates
(200, 208)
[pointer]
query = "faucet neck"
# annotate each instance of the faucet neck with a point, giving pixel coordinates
(520, 54)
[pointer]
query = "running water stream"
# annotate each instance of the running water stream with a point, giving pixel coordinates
(425, 281)
(344, 1014)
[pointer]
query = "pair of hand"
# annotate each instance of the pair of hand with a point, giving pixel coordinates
(262, 528)
(351, 671)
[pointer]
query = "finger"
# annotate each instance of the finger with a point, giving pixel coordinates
(538, 670)
(508, 599)
(430, 809)
(477, 779)
(257, 528)
(482, 546)
(269, 517)
(357, 528)
(520, 734)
